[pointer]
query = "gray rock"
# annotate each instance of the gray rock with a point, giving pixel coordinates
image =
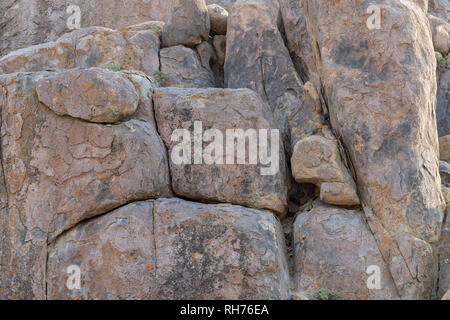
(183, 250)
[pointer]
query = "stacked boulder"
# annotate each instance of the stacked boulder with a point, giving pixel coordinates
(241, 149)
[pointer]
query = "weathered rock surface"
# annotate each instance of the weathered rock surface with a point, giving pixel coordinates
(128, 49)
(29, 22)
(219, 251)
(115, 254)
(188, 24)
(316, 157)
(218, 17)
(379, 87)
(173, 249)
(444, 260)
(181, 66)
(298, 39)
(444, 148)
(255, 184)
(94, 95)
(60, 171)
(257, 59)
(334, 249)
(443, 104)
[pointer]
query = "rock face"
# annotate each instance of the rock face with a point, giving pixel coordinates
(128, 49)
(188, 24)
(60, 171)
(334, 248)
(218, 17)
(29, 22)
(227, 174)
(379, 121)
(181, 66)
(173, 249)
(439, 8)
(257, 59)
(94, 95)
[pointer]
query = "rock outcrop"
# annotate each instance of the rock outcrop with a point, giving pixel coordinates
(181, 67)
(173, 249)
(188, 24)
(239, 161)
(380, 87)
(60, 170)
(257, 59)
(335, 249)
(24, 23)
(218, 17)
(224, 149)
(126, 49)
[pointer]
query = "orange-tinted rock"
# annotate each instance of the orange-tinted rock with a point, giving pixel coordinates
(181, 67)
(188, 24)
(30, 22)
(133, 48)
(257, 185)
(60, 171)
(256, 58)
(334, 248)
(173, 249)
(379, 85)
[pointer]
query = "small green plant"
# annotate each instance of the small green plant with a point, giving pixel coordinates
(114, 67)
(159, 76)
(327, 294)
(441, 61)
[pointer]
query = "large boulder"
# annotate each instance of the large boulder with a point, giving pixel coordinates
(188, 24)
(253, 174)
(334, 249)
(134, 48)
(60, 170)
(29, 22)
(257, 59)
(379, 85)
(441, 34)
(183, 250)
(181, 66)
(94, 95)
